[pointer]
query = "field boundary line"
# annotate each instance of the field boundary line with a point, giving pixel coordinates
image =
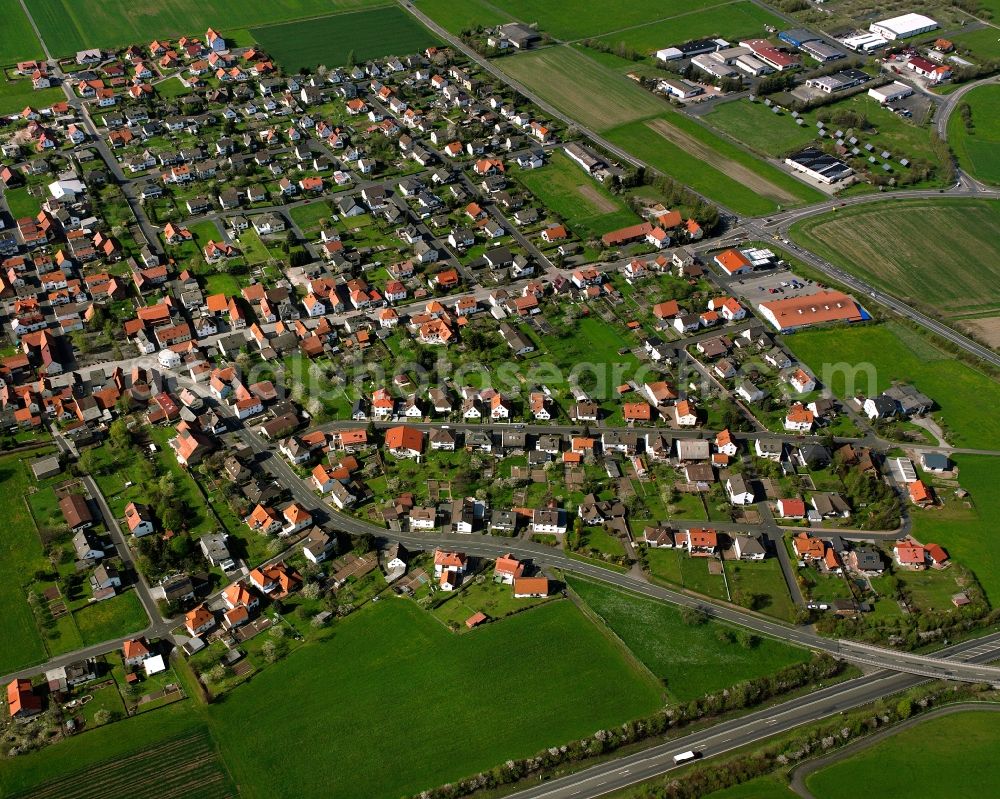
(602, 624)
(651, 22)
(260, 26)
(34, 27)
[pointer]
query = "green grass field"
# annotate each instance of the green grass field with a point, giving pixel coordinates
(17, 40)
(20, 556)
(757, 127)
(581, 87)
(585, 205)
(692, 661)
(71, 25)
(984, 42)
(959, 529)
(593, 341)
(367, 34)
(692, 164)
(964, 747)
(768, 179)
(21, 203)
(169, 752)
(429, 701)
(732, 21)
(940, 254)
(16, 94)
(887, 131)
(112, 618)
(468, 15)
(309, 217)
(897, 353)
(978, 150)
(576, 19)
(641, 123)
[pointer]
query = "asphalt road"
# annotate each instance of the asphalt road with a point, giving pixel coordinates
(950, 103)
(868, 294)
(757, 726)
(799, 775)
(141, 586)
(964, 188)
(544, 556)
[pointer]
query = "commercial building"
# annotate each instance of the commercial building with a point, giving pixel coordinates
(585, 157)
(903, 27)
(794, 313)
(715, 68)
(680, 89)
(797, 37)
(864, 42)
(770, 55)
(819, 166)
(822, 52)
(691, 49)
(839, 81)
(520, 36)
(891, 92)
(928, 69)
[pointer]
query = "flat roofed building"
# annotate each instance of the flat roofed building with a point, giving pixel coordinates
(819, 166)
(891, 92)
(821, 51)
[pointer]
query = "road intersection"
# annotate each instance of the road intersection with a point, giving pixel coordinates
(756, 227)
(893, 670)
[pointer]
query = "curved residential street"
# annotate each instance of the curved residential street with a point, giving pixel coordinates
(884, 671)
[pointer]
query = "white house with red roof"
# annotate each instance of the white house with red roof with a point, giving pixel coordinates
(134, 651)
(507, 569)
(791, 508)
(139, 519)
(296, 518)
(802, 381)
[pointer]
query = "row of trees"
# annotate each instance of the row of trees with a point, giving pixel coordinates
(826, 736)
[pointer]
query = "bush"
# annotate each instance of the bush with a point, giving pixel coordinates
(693, 617)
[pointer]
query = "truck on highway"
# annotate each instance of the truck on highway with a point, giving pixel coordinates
(685, 757)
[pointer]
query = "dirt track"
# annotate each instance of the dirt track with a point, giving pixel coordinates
(731, 168)
(602, 204)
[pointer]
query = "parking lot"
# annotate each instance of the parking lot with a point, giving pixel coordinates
(771, 284)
